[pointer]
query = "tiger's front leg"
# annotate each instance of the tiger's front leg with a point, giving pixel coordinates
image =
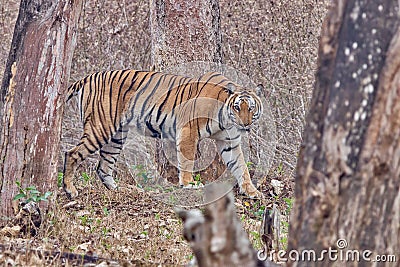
(231, 153)
(186, 143)
(72, 159)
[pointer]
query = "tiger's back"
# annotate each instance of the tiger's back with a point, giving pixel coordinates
(159, 105)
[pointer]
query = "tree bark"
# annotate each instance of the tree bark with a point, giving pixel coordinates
(185, 31)
(348, 173)
(34, 88)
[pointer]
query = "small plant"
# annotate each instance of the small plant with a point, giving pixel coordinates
(289, 204)
(284, 224)
(249, 165)
(60, 178)
(106, 211)
(86, 178)
(147, 255)
(197, 180)
(279, 170)
(172, 199)
(85, 220)
(284, 242)
(105, 231)
(190, 257)
(141, 171)
(259, 213)
(106, 245)
(30, 193)
(257, 238)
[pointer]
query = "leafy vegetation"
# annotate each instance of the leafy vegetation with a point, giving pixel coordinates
(30, 193)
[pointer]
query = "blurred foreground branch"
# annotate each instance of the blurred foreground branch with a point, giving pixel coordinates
(217, 237)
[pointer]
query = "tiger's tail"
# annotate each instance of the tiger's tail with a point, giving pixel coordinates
(74, 88)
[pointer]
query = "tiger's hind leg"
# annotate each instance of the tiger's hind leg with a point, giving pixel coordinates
(108, 156)
(232, 155)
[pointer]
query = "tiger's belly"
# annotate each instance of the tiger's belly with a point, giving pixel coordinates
(167, 126)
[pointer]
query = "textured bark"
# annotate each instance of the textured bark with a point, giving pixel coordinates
(348, 174)
(184, 31)
(217, 237)
(34, 87)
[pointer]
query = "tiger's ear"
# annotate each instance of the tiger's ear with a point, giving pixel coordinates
(259, 90)
(231, 88)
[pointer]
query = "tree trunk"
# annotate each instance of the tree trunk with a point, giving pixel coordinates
(34, 87)
(348, 174)
(185, 31)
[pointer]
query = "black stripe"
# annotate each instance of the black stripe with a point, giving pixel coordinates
(119, 141)
(198, 127)
(122, 73)
(153, 131)
(89, 94)
(227, 149)
(141, 89)
(236, 167)
(80, 155)
(172, 82)
(111, 152)
(91, 151)
(236, 137)
(232, 163)
(171, 133)
(174, 126)
(208, 130)
(131, 86)
(220, 118)
(101, 90)
(161, 125)
(178, 88)
(117, 99)
(81, 103)
(99, 142)
(90, 141)
(188, 82)
(208, 80)
(109, 161)
(153, 91)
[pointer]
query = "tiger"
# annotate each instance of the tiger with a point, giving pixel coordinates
(177, 108)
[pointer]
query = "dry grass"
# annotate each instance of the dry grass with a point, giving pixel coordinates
(272, 42)
(126, 226)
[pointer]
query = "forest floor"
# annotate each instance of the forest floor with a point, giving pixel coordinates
(127, 227)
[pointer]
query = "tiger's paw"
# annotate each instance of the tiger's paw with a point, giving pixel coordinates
(251, 191)
(109, 183)
(71, 191)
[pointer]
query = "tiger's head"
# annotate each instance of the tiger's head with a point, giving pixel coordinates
(244, 106)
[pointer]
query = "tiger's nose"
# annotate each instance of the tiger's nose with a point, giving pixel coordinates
(247, 124)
